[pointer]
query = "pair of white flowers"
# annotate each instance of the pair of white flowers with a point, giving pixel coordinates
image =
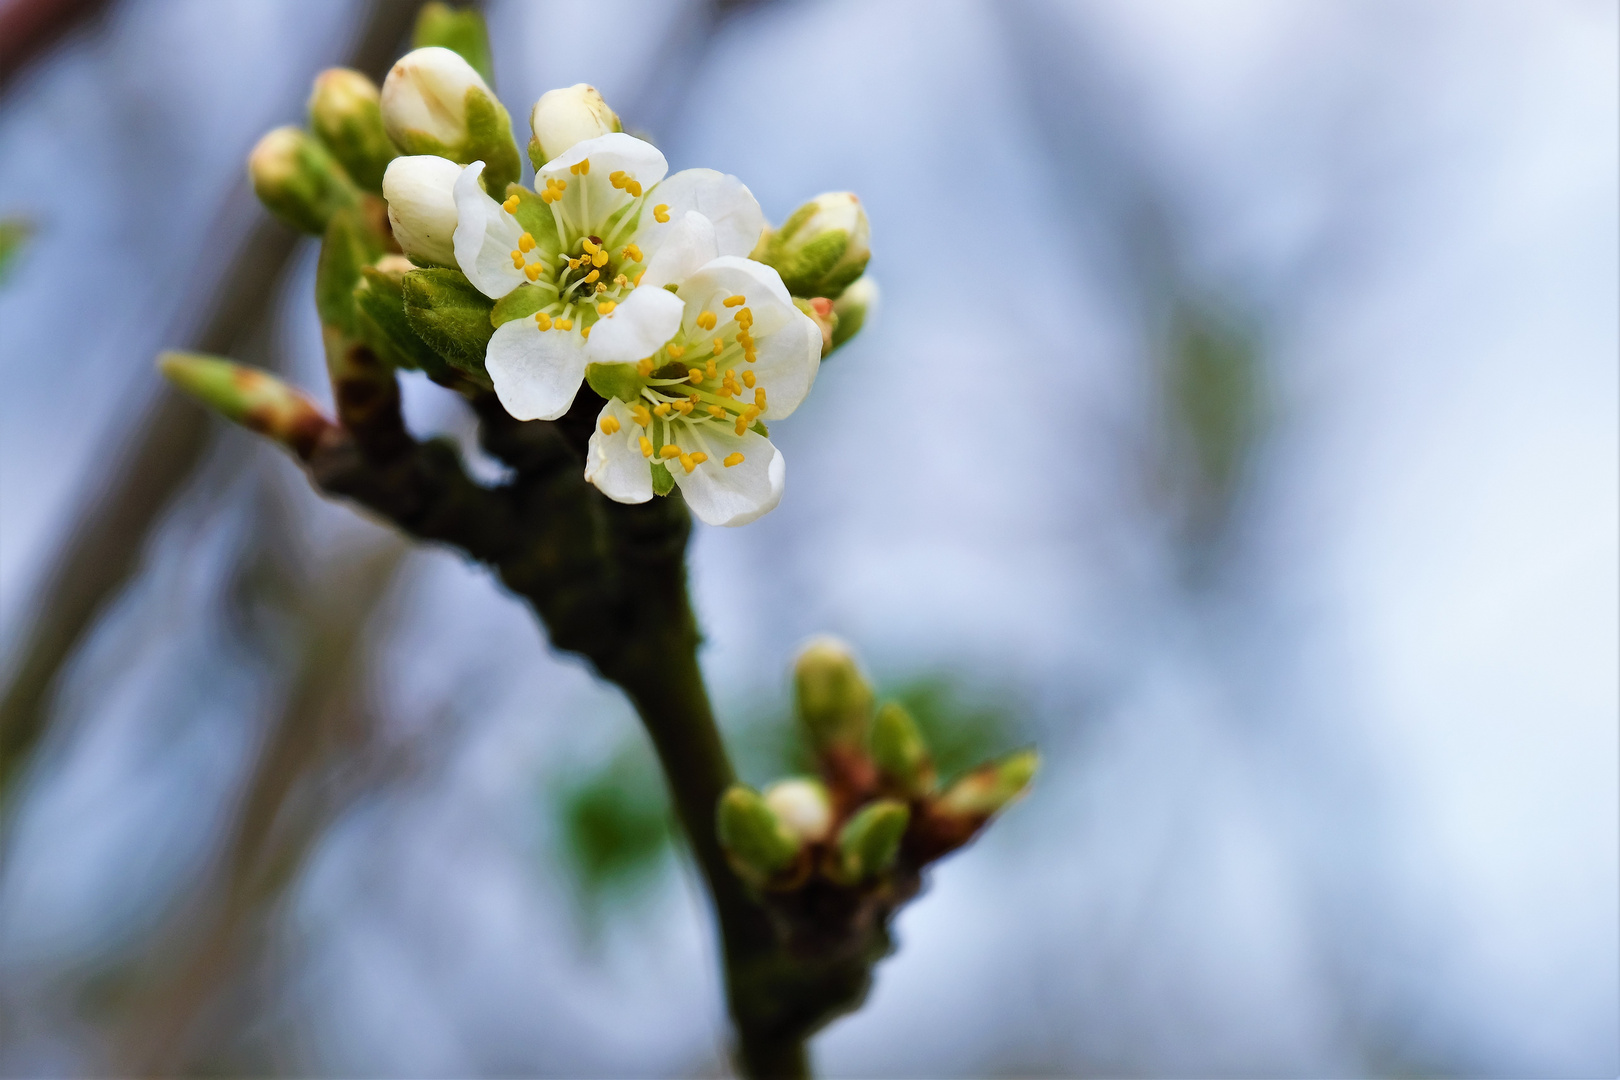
(613, 268)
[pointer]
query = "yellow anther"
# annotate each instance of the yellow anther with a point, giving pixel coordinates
(533, 271)
(717, 410)
(695, 375)
(750, 355)
(646, 447)
(610, 424)
(601, 286)
(719, 347)
(632, 252)
(734, 459)
(735, 301)
(592, 276)
(526, 242)
(750, 413)
(661, 213)
(600, 258)
(707, 319)
(687, 462)
(669, 451)
(639, 277)
(640, 415)
(675, 351)
(590, 248)
(686, 406)
(517, 260)
(748, 379)
(585, 333)
(562, 185)
(745, 339)
(708, 368)
(605, 307)
(542, 320)
(741, 425)
(662, 408)
(759, 397)
(616, 178)
(633, 188)
(580, 168)
(745, 318)
(573, 264)
(564, 324)
(620, 280)
(511, 204)
(548, 196)
(644, 366)
(731, 373)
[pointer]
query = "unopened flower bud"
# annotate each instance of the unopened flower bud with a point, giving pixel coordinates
(900, 752)
(757, 842)
(852, 309)
(567, 116)
(250, 397)
(345, 111)
(433, 102)
(834, 698)
(989, 788)
(420, 191)
(803, 806)
(298, 180)
(822, 246)
(869, 841)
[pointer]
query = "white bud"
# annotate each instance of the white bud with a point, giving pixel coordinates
(421, 199)
(822, 247)
(803, 806)
(426, 94)
(567, 116)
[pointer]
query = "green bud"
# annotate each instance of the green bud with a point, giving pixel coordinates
(298, 180)
(433, 102)
(346, 113)
(820, 310)
(462, 32)
(869, 841)
(250, 397)
(451, 316)
(851, 310)
(803, 805)
(900, 752)
(834, 699)
(822, 246)
(567, 116)
(380, 321)
(758, 844)
(14, 235)
(991, 787)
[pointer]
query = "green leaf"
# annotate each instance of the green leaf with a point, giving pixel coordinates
(520, 303)
(489, 139)
(380, 321)
(663, 482)
(349, 244)
(450, 315)
(460, 31)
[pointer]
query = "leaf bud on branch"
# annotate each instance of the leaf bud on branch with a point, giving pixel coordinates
(434, 102)
(345, 113)
(822, 247)
(250, 397)
(298, 180)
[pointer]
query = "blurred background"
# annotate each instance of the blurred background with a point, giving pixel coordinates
(1292, 541)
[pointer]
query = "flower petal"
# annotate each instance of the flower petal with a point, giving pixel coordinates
(737, 495)
(637, 327)
(787, 341)
(722, 198)
(591, 198)
(536, 372)
(683, 250)
(614, 463)
(486, 236)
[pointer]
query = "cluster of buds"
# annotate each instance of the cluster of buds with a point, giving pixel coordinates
(875, 815)
(665, 294)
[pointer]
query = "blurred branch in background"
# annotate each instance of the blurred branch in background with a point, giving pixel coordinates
(31, 28)
(149, 464)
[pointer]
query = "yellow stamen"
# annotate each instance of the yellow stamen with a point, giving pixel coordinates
(759, 398)
(592, 276)
(585, 333)
(610, 424)
(599, 259)
(580, 168)
(640, 415)
(633, 188)
(639, 277)
(745, 318)
(707, 319)
(686, 406)
(517, 260)
(734, 459)
(590, 248)
(511, 204)
(669, 451)
(533, 271)
(709, 369)
(661, 213)
(717, 410)
(735, 301)
(632, 252)
(695, 376)
(605, 307)
(675, 352)
(616, 178)
(719, 347)
(573, 264)
(742, 425)
(564, 324)
(646, 446)
(601, 286)
(748, 379)
(644, 366)
(542, 320)
(620, 280)
(526, 242)
(662, 408)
